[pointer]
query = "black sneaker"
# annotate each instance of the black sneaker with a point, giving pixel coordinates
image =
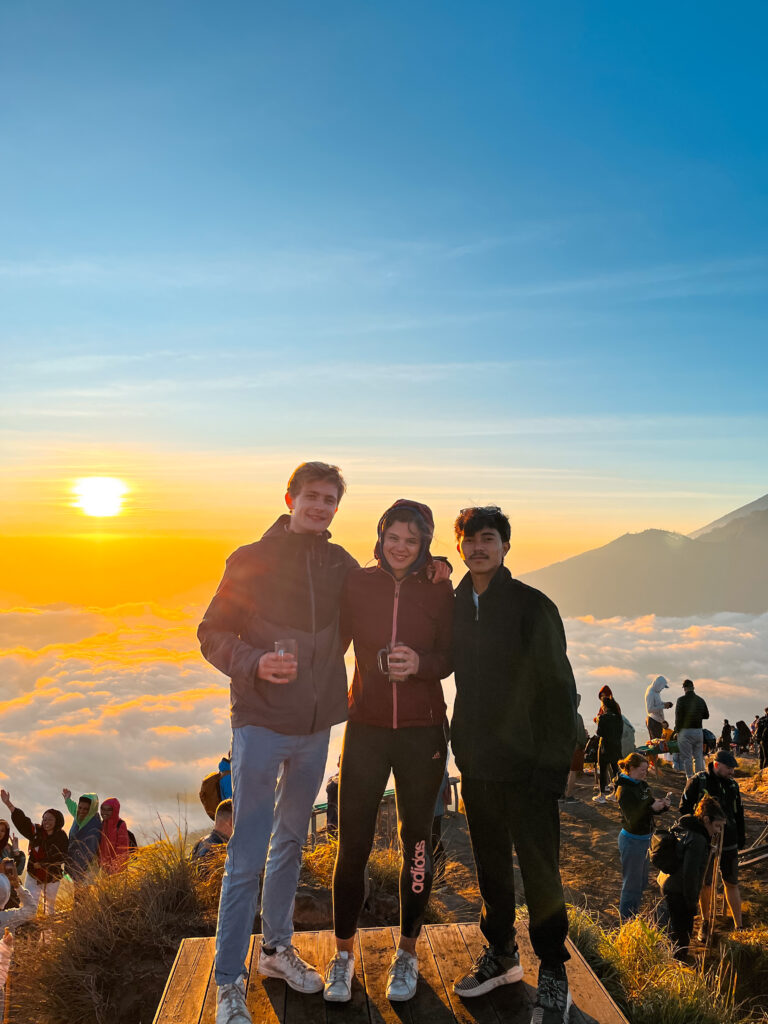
(490, 970)
(553, 999)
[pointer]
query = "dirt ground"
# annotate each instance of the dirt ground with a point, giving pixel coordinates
(589, 856)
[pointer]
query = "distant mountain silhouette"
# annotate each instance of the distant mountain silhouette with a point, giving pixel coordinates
(721, 568)
(754, 506)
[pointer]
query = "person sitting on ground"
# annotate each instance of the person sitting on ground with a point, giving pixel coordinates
(84, 838)
(217, 838)
(48, 846)
(610, 727)
(718, 781)
(577, 761)
(638, 806)
(682, 888)
(114, 843)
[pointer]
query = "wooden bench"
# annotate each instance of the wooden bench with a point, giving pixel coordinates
(445, 950)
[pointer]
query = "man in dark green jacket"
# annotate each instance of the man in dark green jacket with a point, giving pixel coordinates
(513, 735)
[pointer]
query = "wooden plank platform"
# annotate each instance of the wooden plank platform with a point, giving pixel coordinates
(445, 950)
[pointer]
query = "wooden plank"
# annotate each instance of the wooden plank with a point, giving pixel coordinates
(187, 985)
(377, 946)
(512, 1003)
(587, 990)
(431, 1004)
(452, 959)
(356, 1010)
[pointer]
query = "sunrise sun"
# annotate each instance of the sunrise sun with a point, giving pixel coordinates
(100, 495)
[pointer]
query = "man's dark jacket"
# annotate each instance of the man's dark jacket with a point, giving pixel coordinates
(690, 711)
(285, 585)
(514, 718)
(726, 792)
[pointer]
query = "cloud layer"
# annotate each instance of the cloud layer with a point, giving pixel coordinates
(119, 700)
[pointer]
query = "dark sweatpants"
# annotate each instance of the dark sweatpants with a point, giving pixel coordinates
(503, 815)
(416, 755)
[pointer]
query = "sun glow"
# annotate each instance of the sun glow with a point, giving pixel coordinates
(100, 495)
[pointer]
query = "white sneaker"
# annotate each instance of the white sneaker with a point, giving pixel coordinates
(338, 978)
(611, 796)
(230, 1004)
(402, 976)
(599, 799)
(286, 963)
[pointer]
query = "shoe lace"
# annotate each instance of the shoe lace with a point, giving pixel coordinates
(337, 969)
(550, 991)
(402, 966)
(232, 997)
(486, 959)
(291, 954)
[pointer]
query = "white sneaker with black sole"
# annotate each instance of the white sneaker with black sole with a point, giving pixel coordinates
(338, 978)
(286, 963)
(402, 977)
(489, 970)
(230, 1004)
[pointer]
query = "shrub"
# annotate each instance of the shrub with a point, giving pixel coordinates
(107, 956)
(636, 964)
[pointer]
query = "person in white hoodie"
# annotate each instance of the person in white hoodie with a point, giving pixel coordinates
(655, 707)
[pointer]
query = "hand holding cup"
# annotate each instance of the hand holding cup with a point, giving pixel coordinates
(281, 665)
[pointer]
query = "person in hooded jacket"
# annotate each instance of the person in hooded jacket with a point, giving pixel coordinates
(84, 837)
(113, 845)
(48, 845)
(655, 707)
(681, 889)
(401, 625)
(638, 806)
(609, 728)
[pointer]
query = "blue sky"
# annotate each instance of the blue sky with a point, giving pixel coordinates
(509, 250)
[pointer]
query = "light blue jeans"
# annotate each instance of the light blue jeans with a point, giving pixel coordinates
(271, 820)
(634, 872)
(691, 745)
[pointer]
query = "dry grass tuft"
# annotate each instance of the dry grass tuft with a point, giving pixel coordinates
(636, 965)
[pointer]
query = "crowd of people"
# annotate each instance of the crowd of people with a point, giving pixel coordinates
(98, 839)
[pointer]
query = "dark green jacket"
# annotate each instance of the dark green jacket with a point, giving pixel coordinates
(514, 718)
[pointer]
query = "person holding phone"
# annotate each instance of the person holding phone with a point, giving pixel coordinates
(638, 806)
(401, 625)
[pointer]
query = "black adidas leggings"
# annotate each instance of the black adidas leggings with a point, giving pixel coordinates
(416, 755)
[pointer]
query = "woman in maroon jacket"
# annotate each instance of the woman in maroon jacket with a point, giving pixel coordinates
(401, 624)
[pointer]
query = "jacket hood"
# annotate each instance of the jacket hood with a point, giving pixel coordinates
(424, 513)
(58, 816)
(605, 691)
(225, 765)
(114, 803)
(659, 684)
(692, 824)
(93, 810)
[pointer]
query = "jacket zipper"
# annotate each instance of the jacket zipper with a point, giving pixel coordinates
(314, 637)
(394, 637)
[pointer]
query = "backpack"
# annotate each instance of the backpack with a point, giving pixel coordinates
(665, 850)
(590, 751)
(627, 736)
(210, 793)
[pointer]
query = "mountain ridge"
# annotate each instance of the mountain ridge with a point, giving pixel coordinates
(722, 568)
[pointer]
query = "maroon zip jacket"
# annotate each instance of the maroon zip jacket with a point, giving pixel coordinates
(377, 609)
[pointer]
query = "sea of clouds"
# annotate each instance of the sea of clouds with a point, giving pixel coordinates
(119, 700)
